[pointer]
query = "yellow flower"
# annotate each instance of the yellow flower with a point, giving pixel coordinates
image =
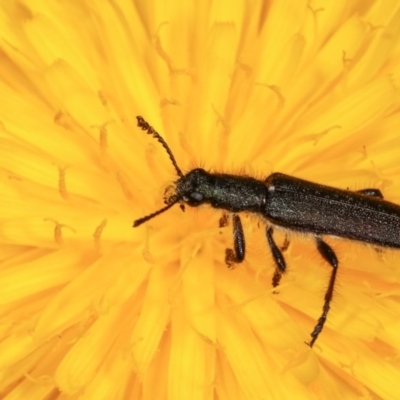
(91, 308)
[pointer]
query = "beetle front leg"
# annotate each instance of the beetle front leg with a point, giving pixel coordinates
(236, 255)
(224, 220)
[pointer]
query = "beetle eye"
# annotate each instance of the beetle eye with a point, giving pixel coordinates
(194, 198)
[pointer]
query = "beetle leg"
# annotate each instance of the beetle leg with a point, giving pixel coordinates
(236, 255)
(286, 244)
(224, 220)
(277, 256)
(329, 255)
(371, 192)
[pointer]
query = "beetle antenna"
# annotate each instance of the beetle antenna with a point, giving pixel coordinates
(143, 124)
(142, 220)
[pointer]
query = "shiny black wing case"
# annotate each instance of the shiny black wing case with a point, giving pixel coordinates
(308, 207)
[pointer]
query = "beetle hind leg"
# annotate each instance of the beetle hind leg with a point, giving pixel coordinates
(328, 255)
(372, 192)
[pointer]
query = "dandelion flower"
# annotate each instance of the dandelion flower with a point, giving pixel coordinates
(92, 308)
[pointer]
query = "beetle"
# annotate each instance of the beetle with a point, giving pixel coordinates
(287, 202)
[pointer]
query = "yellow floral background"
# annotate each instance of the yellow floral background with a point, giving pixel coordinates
(91, 308)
